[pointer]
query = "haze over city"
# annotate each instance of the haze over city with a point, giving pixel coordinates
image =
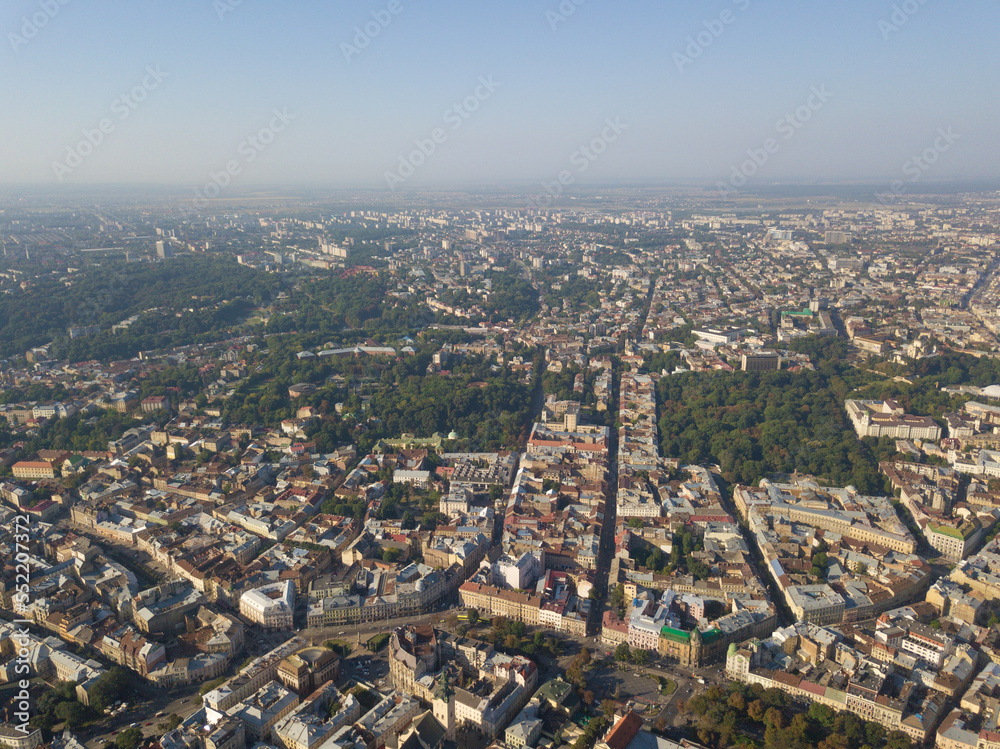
(497, 92)
(567, 374)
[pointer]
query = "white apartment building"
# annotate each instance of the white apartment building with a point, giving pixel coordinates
(645, 622)
(516, 574)
(271, 606)
(953, 543)
(930, 650)
(12, 738)
(886, 419)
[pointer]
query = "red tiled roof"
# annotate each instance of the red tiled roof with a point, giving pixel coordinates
(624, 731)
(808, 686)
(789, 679)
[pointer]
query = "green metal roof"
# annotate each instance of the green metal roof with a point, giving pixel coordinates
(711, 635)
(677, 635)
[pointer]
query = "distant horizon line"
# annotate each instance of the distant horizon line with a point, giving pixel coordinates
(914, 188)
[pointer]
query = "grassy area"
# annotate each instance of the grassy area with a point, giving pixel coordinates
(667, 686)
(378, 642)
(340, 647)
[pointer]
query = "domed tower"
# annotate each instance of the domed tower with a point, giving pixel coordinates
(696, 648)
(738, 660)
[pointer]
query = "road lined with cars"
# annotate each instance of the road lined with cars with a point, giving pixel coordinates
(143, 714)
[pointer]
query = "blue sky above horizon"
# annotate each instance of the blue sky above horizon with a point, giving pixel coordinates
(891, 91)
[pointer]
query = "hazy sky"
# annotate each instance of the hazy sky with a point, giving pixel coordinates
(510, 90)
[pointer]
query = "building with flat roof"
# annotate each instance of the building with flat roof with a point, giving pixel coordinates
(313, 721)
(886, 419)
(271, 606)
(261, 710)
(818, 604)
(252, 677)
(761, 361)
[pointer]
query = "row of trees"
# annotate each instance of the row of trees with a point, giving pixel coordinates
(625, 654)
(743, 714)
(617, 602)
(512, 636)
